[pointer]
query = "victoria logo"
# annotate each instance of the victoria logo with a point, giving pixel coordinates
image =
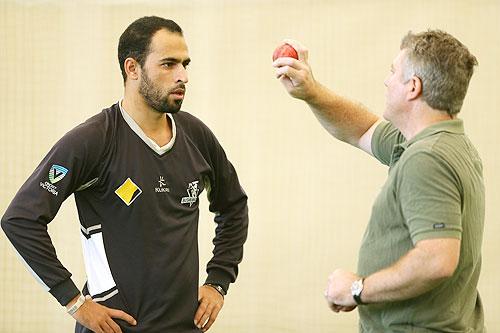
(56, 173)
(192, 191)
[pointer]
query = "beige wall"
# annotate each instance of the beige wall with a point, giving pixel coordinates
(310, 196)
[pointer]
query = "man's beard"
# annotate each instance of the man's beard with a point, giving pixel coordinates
(155, 99)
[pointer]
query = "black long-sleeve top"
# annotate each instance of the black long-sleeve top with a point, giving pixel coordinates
(138, 212)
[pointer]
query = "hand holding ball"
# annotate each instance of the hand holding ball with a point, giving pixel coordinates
(285, 50)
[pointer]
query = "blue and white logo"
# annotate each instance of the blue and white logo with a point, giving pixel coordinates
(57, 173)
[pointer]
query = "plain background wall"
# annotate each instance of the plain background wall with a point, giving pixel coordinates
(310, 195)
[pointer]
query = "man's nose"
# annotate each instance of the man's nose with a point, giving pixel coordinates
(182, 74)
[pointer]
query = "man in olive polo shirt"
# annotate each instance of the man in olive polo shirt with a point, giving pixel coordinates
(420, 258)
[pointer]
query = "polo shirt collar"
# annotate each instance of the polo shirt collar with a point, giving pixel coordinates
(455, 126)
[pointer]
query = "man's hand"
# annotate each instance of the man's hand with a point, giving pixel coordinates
(99, 318)
(338, 292)
(211, 303)
(296, 75)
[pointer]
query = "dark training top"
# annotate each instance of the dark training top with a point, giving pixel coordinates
(138, 210)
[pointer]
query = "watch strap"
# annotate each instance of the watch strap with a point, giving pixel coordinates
(357, 296)
(217, 287)
(358, 300)
(79, 302)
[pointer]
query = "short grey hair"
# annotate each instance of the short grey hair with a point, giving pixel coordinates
(443, 64)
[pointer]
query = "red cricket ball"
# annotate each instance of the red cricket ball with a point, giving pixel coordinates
(285, 50)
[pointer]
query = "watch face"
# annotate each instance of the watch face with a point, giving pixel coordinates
(357, 287)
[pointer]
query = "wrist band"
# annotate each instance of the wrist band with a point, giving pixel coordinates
(79, 302)
(218, 288)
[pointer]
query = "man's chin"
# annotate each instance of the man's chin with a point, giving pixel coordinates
(174, 107)
(169, 108)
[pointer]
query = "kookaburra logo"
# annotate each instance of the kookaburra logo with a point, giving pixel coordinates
(192, 191)
(163, 186)
(162, 181)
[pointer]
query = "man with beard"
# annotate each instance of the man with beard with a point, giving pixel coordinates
(136, 170)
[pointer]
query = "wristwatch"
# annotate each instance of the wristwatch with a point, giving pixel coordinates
(218, 288)
(356, 290)
(79, 302)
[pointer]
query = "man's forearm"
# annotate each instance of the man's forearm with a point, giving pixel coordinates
(344, 119)
(415, 273)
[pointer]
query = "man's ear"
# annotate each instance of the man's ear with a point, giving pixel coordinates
(414, 88)
(132, 68)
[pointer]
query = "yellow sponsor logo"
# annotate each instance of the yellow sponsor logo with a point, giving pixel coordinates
(128, 192)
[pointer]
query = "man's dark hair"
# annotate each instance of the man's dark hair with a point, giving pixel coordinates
(136, 39)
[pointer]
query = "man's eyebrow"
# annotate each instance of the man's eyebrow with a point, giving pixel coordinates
(176, 60)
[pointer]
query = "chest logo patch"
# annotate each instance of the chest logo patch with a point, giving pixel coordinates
(56, 173)
(128, 191)
(162, 186)
(192, 192)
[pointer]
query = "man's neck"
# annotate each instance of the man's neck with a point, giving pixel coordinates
(421, 117)
(155, 125)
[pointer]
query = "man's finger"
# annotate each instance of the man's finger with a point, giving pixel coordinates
(205, 317)
(302, 51)
(113, 313)
(334, 307)
(212, 318)
(202, 308)
(347, 308)
(288, 71)
(114, 326)
(97, 329)
(287, 61)
(106, 328)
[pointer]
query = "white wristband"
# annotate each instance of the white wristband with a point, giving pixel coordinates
(79, 302)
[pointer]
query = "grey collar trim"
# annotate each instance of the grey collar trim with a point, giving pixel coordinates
(137, 129)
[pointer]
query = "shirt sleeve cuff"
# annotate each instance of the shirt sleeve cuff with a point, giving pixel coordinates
(218, 276)
(433, 234)
(65, 291)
